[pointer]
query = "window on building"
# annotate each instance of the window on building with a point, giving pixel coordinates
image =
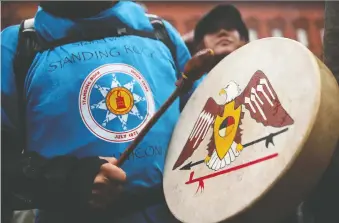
(277, 26)
(277, 32)
(301, 31)
(302, 36)
(320, 26)
(253, 35)
(253, 28)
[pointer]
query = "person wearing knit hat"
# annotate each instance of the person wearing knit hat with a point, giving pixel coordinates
(221, 29)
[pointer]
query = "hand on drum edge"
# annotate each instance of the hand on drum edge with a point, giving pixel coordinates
(107, 185)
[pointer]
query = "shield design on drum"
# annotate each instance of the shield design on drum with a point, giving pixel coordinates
(225, 144)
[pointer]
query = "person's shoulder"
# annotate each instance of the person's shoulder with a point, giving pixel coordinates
(176, 37)
(10, 31)
(10, 35)
(169, 27)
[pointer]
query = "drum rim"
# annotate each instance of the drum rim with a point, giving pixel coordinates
(308, 131)
(313, 116)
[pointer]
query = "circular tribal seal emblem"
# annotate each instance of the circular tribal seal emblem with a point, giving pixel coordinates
(115, 102)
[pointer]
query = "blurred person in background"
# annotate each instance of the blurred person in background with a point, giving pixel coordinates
(221, 29)
(97, 74)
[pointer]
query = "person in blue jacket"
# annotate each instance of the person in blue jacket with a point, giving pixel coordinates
(85, 102)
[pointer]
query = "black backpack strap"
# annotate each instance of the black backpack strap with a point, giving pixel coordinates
(27, 48)
(161, 33)
(119, 29)
(95, 33)
(29, 43)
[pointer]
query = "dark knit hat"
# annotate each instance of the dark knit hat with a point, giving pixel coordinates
(225, 16)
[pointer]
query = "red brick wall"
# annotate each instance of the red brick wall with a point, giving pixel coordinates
(13, 12)
(260, 16)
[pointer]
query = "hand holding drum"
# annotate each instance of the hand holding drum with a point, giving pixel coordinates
(200, 64)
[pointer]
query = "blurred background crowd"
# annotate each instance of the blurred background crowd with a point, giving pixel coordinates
(302, 21)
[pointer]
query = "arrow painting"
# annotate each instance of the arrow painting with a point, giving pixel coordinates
(200, 180)
(268, 140)
(225, 145)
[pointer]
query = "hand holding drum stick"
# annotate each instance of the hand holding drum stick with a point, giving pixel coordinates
(197, 66)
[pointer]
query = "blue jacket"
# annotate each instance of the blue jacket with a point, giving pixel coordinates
(93, 98)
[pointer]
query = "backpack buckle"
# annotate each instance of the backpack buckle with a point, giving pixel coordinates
(121, 31)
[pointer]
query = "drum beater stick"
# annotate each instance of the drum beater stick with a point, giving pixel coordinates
(197, 66)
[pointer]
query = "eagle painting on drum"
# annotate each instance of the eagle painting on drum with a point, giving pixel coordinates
(225, 144)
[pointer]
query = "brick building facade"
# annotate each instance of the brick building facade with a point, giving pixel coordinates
(302, 21)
